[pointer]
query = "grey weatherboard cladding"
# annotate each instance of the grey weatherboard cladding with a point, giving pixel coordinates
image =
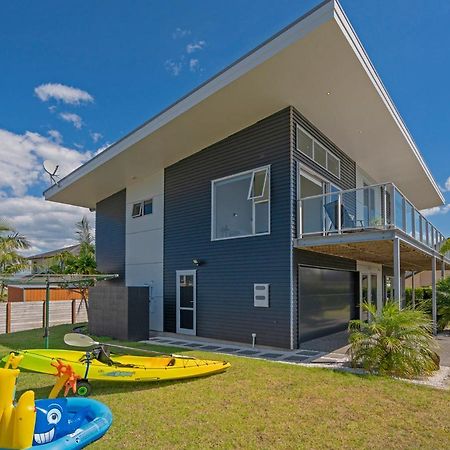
(346, 181)
(230, 267)
(110, 223)
(116, 310)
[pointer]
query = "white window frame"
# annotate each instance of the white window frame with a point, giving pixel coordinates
(256, 198)
(141, 209)
(313, 176)
(314, 140)
(134, 216)
(254, 201)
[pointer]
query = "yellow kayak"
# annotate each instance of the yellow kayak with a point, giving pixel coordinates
(121, 367)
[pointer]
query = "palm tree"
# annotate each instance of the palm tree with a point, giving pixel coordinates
(84, 232)
(11, 242)
(394, 342)
(11, 261)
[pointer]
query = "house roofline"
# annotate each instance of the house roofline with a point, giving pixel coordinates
(327, 10)
(74, 174)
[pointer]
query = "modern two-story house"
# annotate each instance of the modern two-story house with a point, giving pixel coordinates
(272, 200)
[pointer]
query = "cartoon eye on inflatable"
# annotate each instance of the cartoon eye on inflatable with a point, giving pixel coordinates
(54, 416)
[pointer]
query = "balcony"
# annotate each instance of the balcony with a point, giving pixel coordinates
(371, 208)
(374, 223)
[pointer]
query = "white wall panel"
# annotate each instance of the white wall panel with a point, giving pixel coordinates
(146, 274)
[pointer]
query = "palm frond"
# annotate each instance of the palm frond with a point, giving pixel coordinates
(394, 342)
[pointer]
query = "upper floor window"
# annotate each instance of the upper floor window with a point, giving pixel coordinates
(241, 205)
(142, 208)
(317, 152)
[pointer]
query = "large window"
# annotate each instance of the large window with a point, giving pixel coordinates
(317, 152)
(241, 205)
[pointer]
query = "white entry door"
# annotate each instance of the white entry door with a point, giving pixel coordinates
(186, 301)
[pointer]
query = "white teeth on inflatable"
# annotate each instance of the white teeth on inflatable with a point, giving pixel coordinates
(44, 438)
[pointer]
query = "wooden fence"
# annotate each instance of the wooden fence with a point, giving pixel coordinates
(28, 315)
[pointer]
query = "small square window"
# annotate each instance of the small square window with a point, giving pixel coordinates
(137, 210)
(148, 207)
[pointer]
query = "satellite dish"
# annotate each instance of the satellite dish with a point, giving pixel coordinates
(51, 168)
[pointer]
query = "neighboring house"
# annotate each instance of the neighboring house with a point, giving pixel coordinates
(39, 263)
(270, 200)
(422, 279)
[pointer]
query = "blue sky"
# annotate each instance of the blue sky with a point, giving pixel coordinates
(128, 60)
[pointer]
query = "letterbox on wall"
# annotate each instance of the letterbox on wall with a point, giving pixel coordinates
(261, 295)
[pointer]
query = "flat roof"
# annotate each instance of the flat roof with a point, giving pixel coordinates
(317, 65)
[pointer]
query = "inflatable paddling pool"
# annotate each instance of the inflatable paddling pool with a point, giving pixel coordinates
(51, 424)
(69, 423)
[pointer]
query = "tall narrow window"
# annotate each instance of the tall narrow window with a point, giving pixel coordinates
(241, 205)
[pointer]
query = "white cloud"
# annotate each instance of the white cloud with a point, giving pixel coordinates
(436, 210)
(56, 136)
(193, 64)
(102, 148)
(180, 33)
(447, 185)
(47, 225)
(21, 157)
(73, 118)
(195, 46)
(63, 93)
(173, 67)
(96, 136)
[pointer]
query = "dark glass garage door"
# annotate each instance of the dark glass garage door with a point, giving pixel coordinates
(327, 301)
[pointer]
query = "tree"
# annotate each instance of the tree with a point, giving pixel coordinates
(445, 248)
(395, 342)
(82, 264)
(11, 261)
(84, 232)
(443, 303)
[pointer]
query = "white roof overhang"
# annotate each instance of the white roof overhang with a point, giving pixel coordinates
(317, 65)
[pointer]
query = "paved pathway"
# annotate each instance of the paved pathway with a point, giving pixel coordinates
(298, 356)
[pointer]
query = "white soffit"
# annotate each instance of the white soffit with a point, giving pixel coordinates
(316, 65)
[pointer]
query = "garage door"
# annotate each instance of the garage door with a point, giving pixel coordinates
(327, 301)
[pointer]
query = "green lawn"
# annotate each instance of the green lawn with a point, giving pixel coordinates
(258, 404)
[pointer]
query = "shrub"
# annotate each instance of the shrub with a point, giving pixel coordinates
(423, 301)
(443, 303)
(394, 342)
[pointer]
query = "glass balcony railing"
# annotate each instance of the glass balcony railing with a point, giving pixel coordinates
(376, 207)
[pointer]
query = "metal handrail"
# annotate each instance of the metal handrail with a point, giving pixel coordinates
(430, 236)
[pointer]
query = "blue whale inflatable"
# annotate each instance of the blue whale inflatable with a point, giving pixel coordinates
(69, 423)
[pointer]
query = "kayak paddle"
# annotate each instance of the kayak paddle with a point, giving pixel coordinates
(81, 340)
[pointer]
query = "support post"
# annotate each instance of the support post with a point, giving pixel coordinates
(397, 278)
(47, 313)
(433, 295)
(442, 268)
(8, 317)
(413, 289)
(74, 311)
(339, 213)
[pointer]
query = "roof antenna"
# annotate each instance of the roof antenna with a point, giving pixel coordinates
(51, 169)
